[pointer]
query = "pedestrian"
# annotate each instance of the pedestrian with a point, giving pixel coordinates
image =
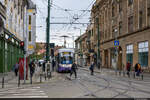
(92, 68)
(16, 68)
(32, 68)
(40, 64)
(43, 68)
(73, 70)
(128, 68)
(53, 64)
(138, 70)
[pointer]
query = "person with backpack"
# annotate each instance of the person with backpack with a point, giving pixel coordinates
(92, 68)
(138, 70)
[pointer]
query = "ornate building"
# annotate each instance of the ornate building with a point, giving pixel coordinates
(126, 21)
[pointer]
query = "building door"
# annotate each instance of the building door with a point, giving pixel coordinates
(120, 58)
(106, 59)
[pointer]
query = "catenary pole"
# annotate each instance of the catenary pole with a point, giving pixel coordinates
(48, 33)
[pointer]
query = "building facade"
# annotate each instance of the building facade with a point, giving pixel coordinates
(11, 34)
(13, 27)
(126, 21)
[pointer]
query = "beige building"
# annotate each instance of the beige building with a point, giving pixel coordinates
(127, 21)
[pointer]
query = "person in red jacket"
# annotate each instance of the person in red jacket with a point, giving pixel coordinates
(128, 68)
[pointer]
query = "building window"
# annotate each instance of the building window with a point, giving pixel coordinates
(114, 32)
(113, 11)
(120, 27)
(129, 53)
(5, 2)
(30, 36)
(120, 5)
(148, 15)
(29, 19)
(148, 11)
(143, 53)
(130, 24)
(140, 19)
(130, 2)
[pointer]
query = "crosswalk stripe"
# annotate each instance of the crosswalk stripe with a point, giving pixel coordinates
(26, 97)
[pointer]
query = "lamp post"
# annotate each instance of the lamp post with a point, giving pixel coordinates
(98, 44)
(116, 49)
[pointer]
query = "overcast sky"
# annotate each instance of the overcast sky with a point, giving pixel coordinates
(62, 11)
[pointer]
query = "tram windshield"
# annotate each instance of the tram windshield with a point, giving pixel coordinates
(66, 60)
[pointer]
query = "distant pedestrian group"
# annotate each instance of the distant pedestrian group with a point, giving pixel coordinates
(137, 69)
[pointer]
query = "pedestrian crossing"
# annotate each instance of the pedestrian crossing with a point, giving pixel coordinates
(29, 92)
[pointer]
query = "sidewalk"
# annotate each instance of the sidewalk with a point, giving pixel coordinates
(146, 76)
(7, 76)
(11, 81)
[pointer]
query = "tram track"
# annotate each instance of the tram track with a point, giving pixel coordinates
(108, 86)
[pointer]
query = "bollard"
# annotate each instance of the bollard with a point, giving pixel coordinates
(142, 76)
(3, 81)
(18, 81)
(40, 78)
(129, 75)
(124, 73)
(119, 73)
(134, 74)
(45, 76)
(30, 79)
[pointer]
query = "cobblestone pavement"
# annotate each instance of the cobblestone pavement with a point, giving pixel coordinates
(104, 84)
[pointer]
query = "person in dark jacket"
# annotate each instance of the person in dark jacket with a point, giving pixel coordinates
(92, 68)
(16, 68)
(44, 64)
(32, 68)
(53, 64)
(73, 70)
(128, 68)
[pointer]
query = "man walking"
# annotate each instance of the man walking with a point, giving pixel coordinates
(92, 68)
(53, 64)
(16, 68)
(73, 70)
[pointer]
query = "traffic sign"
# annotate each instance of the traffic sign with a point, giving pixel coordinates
(52, 45)
(116, 43)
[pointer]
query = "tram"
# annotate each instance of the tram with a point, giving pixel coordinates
(65, 59)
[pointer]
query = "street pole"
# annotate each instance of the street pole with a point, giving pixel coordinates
(48, 33)
(98, 46)
(116, 51)
(73, 41)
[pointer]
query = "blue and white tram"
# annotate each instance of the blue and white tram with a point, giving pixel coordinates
(65, 59)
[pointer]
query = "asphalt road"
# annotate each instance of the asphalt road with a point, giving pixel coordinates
(101, 85)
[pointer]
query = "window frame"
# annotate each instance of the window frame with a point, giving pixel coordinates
(143, 51)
